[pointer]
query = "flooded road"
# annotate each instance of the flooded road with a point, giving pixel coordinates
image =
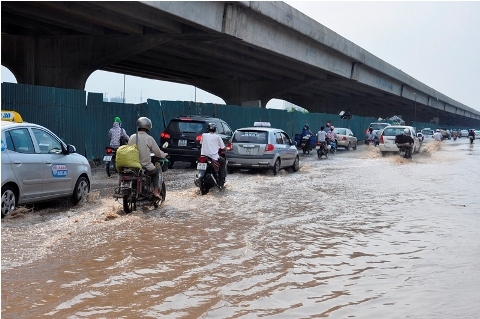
(356, 235)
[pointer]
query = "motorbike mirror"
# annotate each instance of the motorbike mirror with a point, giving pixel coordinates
(165, 145)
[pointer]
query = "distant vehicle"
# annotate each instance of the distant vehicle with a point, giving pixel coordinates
(184, 134)
(261, 146)
(427, 133)
(38, 166)
(463, 133)
(421, 137)
(345, 138)
(477, 134)
(387, 140)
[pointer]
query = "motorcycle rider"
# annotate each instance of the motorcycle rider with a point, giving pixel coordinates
(211, 143)
(306, 130)
(321, 135)
(406, 141)
(370, 135)
(437, 136)
(332, 137)
(471, 135)
(147, 145)
(117, 134)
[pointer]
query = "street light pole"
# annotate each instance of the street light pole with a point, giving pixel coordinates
(415, 94)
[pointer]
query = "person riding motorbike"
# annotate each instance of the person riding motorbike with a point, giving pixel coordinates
(321, 135)
(306, 130)
(211, 143)
(437, 136)
(471, 135)
(405, 141)
(118, 136)
(146, 146)
(370, 135)
(332, 137)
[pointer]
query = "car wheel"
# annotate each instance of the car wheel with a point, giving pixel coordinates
(296, 164)
(81, 189)
(349, 146)
(383, 153)
(355, 146)
(276, 167)
(9, 200)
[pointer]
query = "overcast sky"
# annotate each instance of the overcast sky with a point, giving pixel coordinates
(437, 43)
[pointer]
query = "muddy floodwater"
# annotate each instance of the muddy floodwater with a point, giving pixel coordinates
(357, 235)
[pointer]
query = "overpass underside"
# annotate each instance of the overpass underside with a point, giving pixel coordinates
(242, 52)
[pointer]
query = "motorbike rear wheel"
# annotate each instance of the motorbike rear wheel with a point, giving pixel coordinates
(110, 167)
(204, 187)
(128, 204)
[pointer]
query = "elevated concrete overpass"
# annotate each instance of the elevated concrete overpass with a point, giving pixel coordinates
(240, 51)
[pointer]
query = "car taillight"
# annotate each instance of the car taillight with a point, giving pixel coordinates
(165, 135)
(108, 150)
(381, 139)
(344, 138)
(230, 146)
(269, 147)
(198, 138)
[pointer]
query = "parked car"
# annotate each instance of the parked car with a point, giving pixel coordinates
(262, 146)
(184, 134)
(38, 166)
(376, 127)
(387, 140)
(463, 133)
(345, 138)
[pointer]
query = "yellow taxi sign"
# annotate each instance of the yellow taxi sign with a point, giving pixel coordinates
(12, 116)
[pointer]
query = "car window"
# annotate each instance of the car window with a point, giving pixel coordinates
(390, 131)
(278, 138)
(340, 131)
(286, 139)
(260, 137)
(46, 142)
(227, 129)
(220, 128)
(350, 133)
(186, 127)
(378, 126)
(19, 140)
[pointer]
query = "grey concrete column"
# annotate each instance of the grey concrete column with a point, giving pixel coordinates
(67, 62)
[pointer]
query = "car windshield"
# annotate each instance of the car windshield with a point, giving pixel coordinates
(259, 137)
(340, 131)
(428, 132)
(186, 127)
(393, 131)
(378, 126)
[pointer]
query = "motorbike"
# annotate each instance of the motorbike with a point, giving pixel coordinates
(207, 176)
(136, 187)
(305, 144)
(109, 160)
(333, 145)
(373, 142)
(322, 149)
(471, 139)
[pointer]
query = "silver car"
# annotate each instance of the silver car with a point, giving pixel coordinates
(38, 166)
(261, 146)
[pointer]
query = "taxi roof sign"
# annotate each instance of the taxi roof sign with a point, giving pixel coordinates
(12, 116)
(262, 124)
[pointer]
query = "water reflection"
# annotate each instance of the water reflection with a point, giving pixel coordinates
(357, 235)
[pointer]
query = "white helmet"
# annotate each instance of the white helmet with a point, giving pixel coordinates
(437, 130)
(406, 131)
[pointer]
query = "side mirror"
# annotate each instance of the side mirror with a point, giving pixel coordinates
(71, 149)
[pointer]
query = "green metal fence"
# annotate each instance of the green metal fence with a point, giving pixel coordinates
(84, 121)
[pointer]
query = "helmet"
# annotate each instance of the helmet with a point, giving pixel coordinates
(117, 120)
(306, 127)
(406, 131)
(211, 127)
(145, 123)
(437, 130)
(370, 129)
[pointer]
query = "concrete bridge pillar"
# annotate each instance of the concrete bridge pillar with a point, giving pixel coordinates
(67, 62)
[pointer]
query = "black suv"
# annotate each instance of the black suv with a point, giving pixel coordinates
(184, 133)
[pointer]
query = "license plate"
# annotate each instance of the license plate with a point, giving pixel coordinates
(249, 151)
(202, 166)
(107, 158)
(126, 184)
(317, 147)
(182, 142)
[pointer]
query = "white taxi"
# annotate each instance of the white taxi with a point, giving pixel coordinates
(38, 166)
